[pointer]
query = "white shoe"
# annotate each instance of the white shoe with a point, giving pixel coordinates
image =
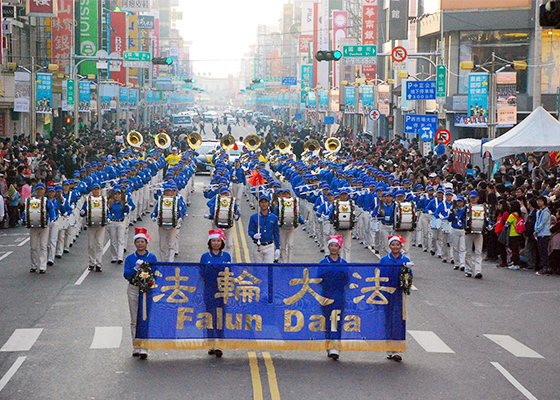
(514, 267)
(334, 354)
(135, 352)
(143, 354)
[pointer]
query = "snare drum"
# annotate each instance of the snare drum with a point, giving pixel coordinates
(343, 218)
(288, 212)
(223, 211)
(96, 211)
(404, 218)
(167, 211)
(36, 212)
(476, 218)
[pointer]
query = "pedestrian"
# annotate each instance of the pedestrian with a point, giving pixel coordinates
(502, 212)
(542, 234)
(515, 238)
(131, 265)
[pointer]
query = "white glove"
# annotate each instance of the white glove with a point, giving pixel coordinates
(257, 236)
(276, 254)
(138, 264)
(410, 264)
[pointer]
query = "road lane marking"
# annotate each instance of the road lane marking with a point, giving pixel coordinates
(514, 381)
(87, 271)
(375, 254)
(244, 241)
(107, 337)
(430, 342)
(255, 376)
(516, 348)
(22, 339)
(236, 244)
(11, 372)
(6, 254)
(272, 381)
(24, 241)
(413, 287)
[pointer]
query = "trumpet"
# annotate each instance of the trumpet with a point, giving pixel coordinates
(283, 145)
(194, 140)
(227, 142)
(252, 142)
(163, 141)
(134, 139)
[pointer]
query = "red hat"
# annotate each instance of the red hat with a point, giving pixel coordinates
(335, 239)
(396, 237)
(141, 233)
(216, 234)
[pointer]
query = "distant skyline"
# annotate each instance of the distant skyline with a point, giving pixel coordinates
(223, 30)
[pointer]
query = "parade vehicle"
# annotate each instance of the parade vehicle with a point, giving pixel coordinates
(183, 121)
(205, 152)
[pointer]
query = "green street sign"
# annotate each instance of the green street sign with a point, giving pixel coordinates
(359, 51)
(70, 92)
(137, 56)
(441, 79)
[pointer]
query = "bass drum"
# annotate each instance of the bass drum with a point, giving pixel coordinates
(167, 211)
(97, 215)
(404, 218)
(36, 210)
(344, 220)
(288, 212)
(223, 212)
(477, 218)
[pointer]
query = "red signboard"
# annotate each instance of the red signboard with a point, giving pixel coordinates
(304, 43)
(399, 54)
(118, 42)
(369, 30)
(42, 8)
(443, 136)
(62, 34)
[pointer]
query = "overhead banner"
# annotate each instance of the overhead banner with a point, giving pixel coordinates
(62, 29)
(398, 20)
(349, 99)
(84, 93)
(118, 45)
(355, 307)
(123, 98)
(339, 31)
(136, 5)
(44, 94)
(369, 30)
(506, 91)
(22, 91)
(88, 34)
(132, 98)
(477, 100)
(367, 98)
(323, 100)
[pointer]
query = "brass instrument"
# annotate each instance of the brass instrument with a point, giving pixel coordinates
(252, 142)
(227, 142)
(312, 145)
(163, 141)
(283, 145)
(134, 139)
(194, 140)
(333, 145)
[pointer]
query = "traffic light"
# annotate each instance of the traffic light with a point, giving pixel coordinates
(68, 121)
(191, 80)
(390, 122)
(549, 14)
(162, 60)
(258, 80)
(331, 55)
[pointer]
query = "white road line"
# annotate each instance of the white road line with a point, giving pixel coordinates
(430, 342)
(86, 272)
(22, 339)
(11, 372)
(374, 253)
(514, 381)
(24, 241)
(107, 337)
(5, 255)
(516, 348)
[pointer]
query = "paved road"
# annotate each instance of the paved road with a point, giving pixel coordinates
(65, 335)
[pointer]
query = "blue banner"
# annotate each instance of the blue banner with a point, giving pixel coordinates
(84, 94)
(349, 99)
(306, 76)
(266, 306)
(44, 94)
(311, 100)
(149, 97)
(123, 98)
(478, 100)
(132, 98)
(367, 99)
(420, 90)
(323, 100)
(424, 125)
(105, 103)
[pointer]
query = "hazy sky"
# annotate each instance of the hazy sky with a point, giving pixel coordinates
(222, 30)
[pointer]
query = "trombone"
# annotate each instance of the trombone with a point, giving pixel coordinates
(163, 141)
(134, 139)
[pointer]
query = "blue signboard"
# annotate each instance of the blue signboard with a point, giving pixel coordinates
(84, 93)
(43, 94)
(367, 99)
(420, 90)
(477, 115)
(297, 116)
(328, 121)
(355, 307)
(289, 80)
(349, 99)
(123, 98)
(424, 125)
(132, 98)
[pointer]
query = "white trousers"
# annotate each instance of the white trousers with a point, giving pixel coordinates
(132, 292)
(117, 236)
(328, 230)
(426, 229)
(346, 251)
(39, 241)
(61, 239)
(473, 259)
(446, 253)
(265, 256)
(384, 232)
(436, 241)
(237, 191)
(96, 241)
(407, 236)
(287, 235)
(53, 239)
(167, 243)
(459, 249)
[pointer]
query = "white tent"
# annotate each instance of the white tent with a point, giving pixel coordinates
(540, 131)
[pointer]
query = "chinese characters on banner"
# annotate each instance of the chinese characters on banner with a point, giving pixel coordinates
(136, 5)
(369, 30)
(339, 31)
(477, 115)
(22, 91)
(118, 45)
(349, 99)
(323, 100)
(304, 43)
(123, 98)
(506, 91)
(68, 95)
(367, 99)
(42, 8)
(132, 98)
(88, 35)
(84, 95)
(44, 94)
(398, 19)
(243, 306)
(62, 34)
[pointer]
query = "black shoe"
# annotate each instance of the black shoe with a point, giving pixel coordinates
(59, 257)
(468, 275)
(432, 253)
(125, 250)
(90, 268)
(98, 269)
(50, 263)
(419, 246)
(113, 261)
(444, 261)
(478, 276)
(143, 356)
(211, 352)
(66, 251)
(139, 219)
(120, 262)
(425, 250)
(452, 261)
(33, 269)
(455, 268)
(218, 353)
(462, 268)
(42, 271)
(322, 250)
(70, 245)
(394, 357)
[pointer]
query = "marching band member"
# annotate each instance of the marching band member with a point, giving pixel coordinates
(36, 218)
(435, 224)
(287, 212)
(118, 210)
(385, 214)
(323, 214)
(474, 237)
(223, 214)
(395, 257)
(54, 223)
(65, 211)
(457, 218)
(169, 212)
(265, 232)
(442, 213)
(334, 281)
(95, 211)
(405, 234)
(131, 265)
(342, 214)
(70, 199)
(238, 179)
(425, 218)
